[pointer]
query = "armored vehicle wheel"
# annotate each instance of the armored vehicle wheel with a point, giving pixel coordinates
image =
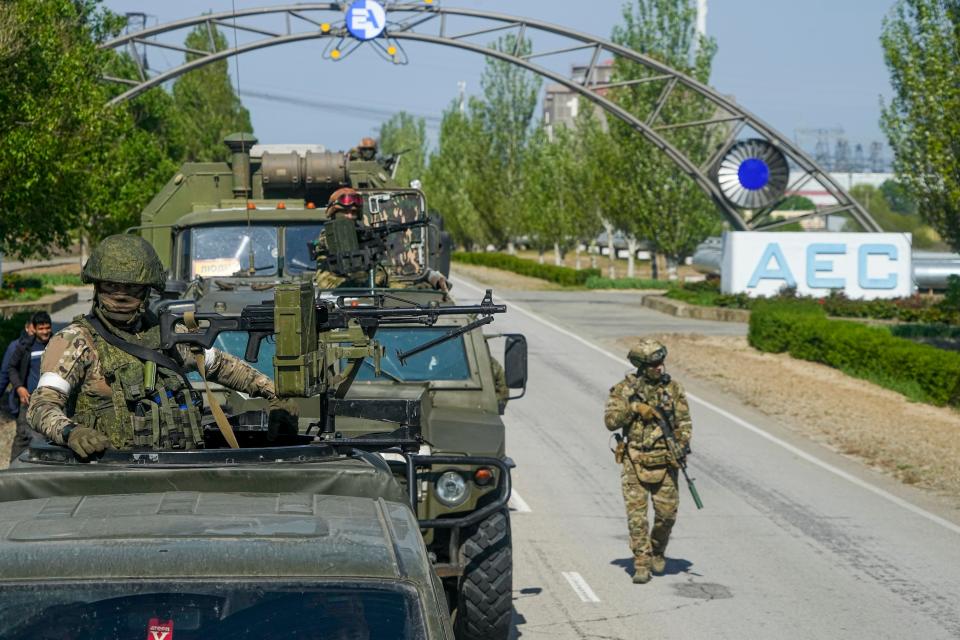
(485, 594)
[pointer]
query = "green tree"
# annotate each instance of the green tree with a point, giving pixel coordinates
(797, 203)
(54, 130)
(503, 117)
(874, 200)
(207, 106)
(921, 43)
(548, 209)
(405, 136)
(450, 171)
(652, 199)
(898, 197)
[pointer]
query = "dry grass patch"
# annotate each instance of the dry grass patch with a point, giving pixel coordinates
(917, 443)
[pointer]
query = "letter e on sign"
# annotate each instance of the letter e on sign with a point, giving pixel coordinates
(159, 629)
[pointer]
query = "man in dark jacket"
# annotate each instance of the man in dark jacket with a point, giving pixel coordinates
(24, 372)
(9, 403)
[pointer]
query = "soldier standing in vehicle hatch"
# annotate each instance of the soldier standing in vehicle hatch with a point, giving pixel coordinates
(102, 384)
(648, 471)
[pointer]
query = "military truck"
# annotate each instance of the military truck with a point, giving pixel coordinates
(313, 540)
(230, 232)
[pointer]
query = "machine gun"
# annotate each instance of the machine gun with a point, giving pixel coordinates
(320, 344)
(347, 246)
(679, 454)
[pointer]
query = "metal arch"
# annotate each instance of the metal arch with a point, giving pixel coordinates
(738, 117)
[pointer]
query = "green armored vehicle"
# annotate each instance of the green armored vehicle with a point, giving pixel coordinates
(230, 233)
(307, 541)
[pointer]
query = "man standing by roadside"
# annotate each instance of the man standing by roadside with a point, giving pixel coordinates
(24, 372)
(9, 403)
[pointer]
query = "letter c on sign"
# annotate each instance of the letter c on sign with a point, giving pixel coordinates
(867, 250)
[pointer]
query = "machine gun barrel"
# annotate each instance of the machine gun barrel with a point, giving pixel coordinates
(258, 321)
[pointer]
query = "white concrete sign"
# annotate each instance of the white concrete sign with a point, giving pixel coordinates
(862, 265)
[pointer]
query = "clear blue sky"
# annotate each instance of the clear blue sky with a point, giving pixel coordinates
(794, 63)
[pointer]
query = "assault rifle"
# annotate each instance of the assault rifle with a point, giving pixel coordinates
(320, 343)
(679, 454)
(346, 246)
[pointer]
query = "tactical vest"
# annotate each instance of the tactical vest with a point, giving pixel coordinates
(150, 407)
(647, 446)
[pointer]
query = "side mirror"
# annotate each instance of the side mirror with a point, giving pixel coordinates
(515, 362)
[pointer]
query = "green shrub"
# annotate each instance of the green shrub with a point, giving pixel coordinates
(19, 288)
(598, 282)
(803, 331)
(60, 279)
(561, 275)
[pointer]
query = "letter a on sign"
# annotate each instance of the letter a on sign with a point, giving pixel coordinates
(780, 270)
(159, 629)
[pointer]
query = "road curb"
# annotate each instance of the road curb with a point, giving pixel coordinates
(683, 310)
(50, 303)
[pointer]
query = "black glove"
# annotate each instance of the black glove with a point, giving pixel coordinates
(86, 441)
(282, 419)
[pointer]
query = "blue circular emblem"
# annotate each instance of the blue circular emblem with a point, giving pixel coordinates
(753, 174)
(366, 19)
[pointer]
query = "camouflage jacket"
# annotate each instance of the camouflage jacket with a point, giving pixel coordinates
(646, 435)
(71, 368)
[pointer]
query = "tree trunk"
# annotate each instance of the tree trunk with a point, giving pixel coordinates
(577, 265)
(594, 256)
(608, 227)
(633, 245)
(557, 255)
(654, 266)
(540, 255)
(672, 264)
(511, 248)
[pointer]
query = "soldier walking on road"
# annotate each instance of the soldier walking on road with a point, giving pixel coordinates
(648, 472)
(104, 380)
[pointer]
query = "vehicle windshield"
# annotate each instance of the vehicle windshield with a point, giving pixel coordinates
(296, 255)
(223, 251)
(211, 611)
(447, 361)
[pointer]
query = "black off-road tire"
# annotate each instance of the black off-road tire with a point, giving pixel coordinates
(485, 595)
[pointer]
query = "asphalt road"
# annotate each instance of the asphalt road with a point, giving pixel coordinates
(795, 541)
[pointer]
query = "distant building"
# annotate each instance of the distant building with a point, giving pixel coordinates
(561, 105)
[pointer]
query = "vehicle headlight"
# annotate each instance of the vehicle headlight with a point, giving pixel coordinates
(451, 488)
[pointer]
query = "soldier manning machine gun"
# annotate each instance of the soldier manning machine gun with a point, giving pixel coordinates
(346, 246)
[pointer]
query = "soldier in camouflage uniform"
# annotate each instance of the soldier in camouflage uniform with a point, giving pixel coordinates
(94, 394)
(348, 203)
(648, 473)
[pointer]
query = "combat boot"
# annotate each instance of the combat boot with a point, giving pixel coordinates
(658, 563)
(641, 570)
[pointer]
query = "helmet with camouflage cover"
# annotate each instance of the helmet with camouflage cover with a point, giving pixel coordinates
(368, 143)
(647, 352)
(125, 259)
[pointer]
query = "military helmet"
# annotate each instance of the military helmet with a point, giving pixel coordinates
(647, 352)
(126, 259)
(368, 143)
(344, 199)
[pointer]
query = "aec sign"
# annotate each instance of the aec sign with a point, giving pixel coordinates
(862, 265)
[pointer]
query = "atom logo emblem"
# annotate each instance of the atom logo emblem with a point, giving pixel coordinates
(366, 19)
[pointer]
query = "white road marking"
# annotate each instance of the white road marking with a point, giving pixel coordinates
(580, 586)
(517, 503)
(863, 484)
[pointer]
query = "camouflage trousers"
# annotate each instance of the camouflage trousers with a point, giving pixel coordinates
(636, 496)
